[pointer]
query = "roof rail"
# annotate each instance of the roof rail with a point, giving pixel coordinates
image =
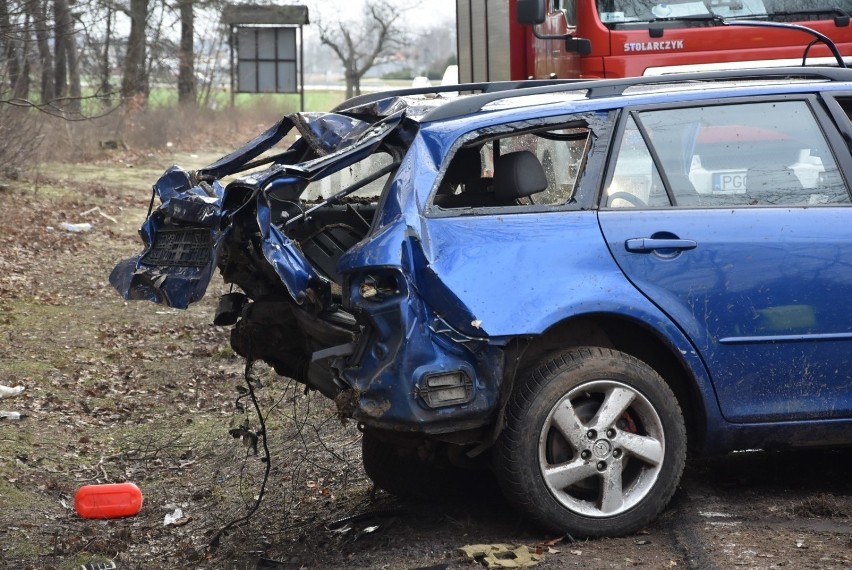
(483, 87)
(612, 87)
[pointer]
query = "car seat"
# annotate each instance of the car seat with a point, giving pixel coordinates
(517, 175)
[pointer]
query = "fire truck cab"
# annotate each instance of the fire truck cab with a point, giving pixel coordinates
(520, 39)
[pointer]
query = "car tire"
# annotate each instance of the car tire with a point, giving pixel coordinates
(594, 444)
(401, 470)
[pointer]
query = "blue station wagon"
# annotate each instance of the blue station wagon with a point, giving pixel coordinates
(570, 283)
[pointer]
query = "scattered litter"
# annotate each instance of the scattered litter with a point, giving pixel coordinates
(713, 514)
(175, 519)
(8, 392)
(109, 565)
(97, 210)
(801, 544)
(12, 416)
(76, 228)
(642, 542)
(360, 525)
(108, 500)
(366, 530)
(501, 555)
(576, 552)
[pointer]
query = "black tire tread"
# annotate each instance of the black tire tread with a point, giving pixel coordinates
(510, 467)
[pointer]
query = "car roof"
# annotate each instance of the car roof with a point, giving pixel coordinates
(455, 101)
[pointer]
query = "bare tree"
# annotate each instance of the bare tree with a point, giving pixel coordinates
(37, 14)
(67, 59)
(361, 46)
(135, 80)
(186, 56)
(13, 50)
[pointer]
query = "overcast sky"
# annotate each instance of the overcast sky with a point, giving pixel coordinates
(424, 13)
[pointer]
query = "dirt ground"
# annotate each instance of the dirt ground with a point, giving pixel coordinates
(118, 391)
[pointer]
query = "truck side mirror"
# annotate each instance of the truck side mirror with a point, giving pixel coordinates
(582, 46)
(530, 12)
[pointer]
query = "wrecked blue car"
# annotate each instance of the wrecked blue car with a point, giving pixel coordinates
(569, 283)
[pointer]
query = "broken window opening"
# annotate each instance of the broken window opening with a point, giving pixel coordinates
(531, 168)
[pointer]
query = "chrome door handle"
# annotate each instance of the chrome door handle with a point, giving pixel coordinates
(647, 245)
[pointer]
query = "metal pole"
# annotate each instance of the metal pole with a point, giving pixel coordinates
(301, 69)
(233, 82)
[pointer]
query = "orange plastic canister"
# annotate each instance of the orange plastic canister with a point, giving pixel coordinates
(108, 501)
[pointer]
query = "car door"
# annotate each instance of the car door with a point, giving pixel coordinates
(734, 218)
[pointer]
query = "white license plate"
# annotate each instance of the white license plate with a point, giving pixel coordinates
(730, 182)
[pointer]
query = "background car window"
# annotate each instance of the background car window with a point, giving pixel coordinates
(756, 154)
(635, 181)
(469, 181)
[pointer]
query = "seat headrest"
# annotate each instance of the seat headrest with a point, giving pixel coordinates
(518, 174)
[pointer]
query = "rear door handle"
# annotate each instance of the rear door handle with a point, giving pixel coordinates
(647, 245)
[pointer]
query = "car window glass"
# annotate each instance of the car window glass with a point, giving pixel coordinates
(495, 174)
(635, 180)
(755, 154)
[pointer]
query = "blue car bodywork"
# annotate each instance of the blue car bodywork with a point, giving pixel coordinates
(419, 318)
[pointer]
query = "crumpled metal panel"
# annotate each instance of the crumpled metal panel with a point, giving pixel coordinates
(187, 197)
(169, 284)
(329, 132)
(290, 265)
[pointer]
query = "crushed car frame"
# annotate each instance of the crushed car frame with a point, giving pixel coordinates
(567, 282)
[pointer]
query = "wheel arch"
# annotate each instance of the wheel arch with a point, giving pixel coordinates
(641, 341)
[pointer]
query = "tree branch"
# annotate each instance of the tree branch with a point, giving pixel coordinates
(54, 109)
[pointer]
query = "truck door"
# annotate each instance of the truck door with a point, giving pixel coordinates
(551, 57)
(735, 220)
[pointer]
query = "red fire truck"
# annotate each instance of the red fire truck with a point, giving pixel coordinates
(617, 38)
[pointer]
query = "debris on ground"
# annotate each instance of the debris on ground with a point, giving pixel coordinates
(175, 518)
(9, 392)
(357, 526)
(76, 228)
(501, 555)
(97, 210)
(109, 565)
(12, 416)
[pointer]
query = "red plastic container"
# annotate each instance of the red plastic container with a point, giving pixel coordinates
(108, 501)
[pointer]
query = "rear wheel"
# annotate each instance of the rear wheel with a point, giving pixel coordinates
(594, 443)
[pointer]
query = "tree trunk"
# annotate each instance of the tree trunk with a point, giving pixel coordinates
(186, 71)
(73, 58)
(22, 85)
(37, 11)
(60, 11)
(10, 49)
(350, 84)
(105, 89)
(135, 81)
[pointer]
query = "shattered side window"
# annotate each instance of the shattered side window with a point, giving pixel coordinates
(532, 168)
